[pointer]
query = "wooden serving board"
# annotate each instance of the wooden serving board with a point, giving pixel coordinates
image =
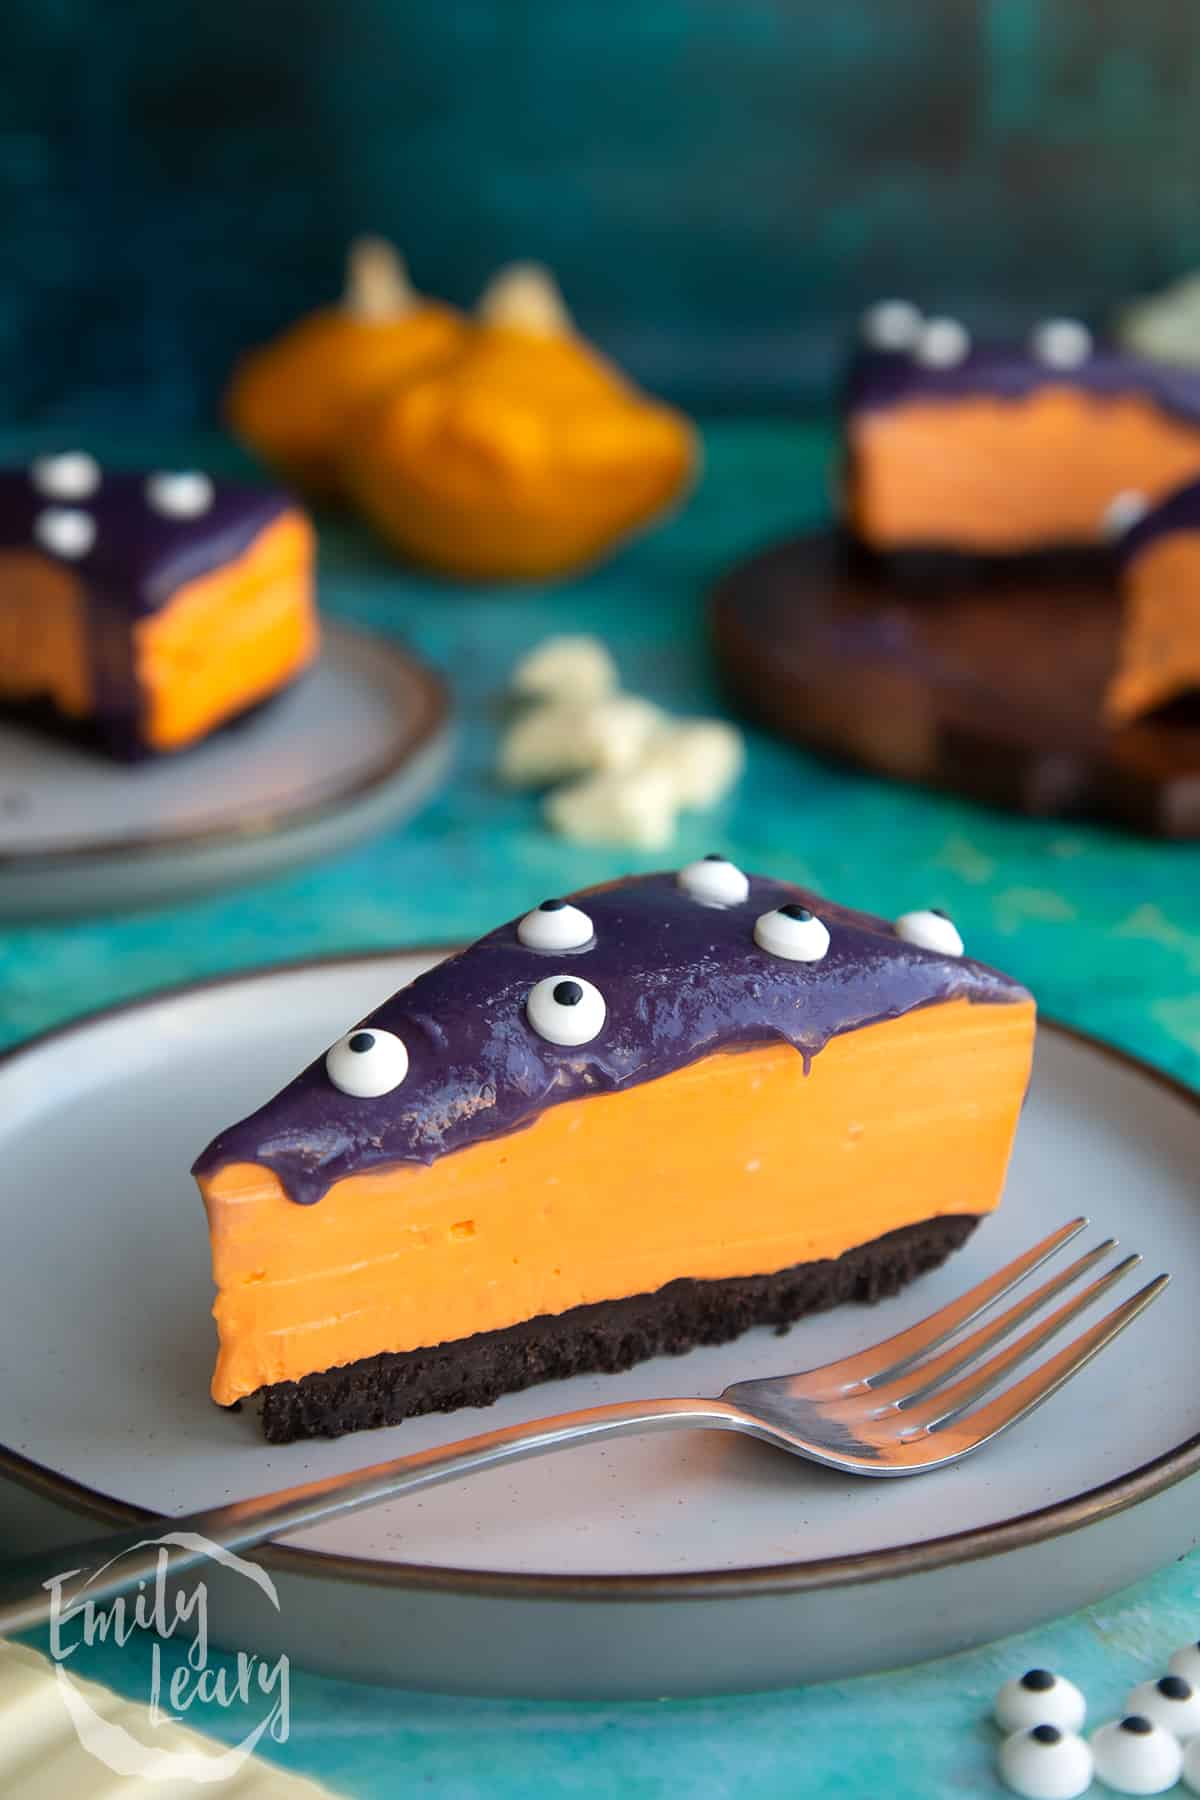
(988, 686)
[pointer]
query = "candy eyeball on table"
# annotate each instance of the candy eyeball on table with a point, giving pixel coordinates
(1044, 1763)
(1039, 1697)
(1186, 1662)
(1171, 1701)
(1133, 1755)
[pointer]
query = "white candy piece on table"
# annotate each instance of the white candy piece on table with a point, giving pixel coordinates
(1123, 512)
(65, 531)
(1186, 1662)
(891, 325)
(931, 930)
(1136, 1756)
(1171, 1701)
(71, 475)
(633, 807)
(180, 493)
(559, 739)
(566, 668)
(702, 758)
(1061, 343)
(1039, 1697)
(1044, 1763)
(942, 344)
(714, 881)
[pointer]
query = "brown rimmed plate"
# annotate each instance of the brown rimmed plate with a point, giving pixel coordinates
(677, 1564)
(358, 743)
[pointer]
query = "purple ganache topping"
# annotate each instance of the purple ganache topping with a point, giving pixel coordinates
(1179, 512)
(884, 378)
(680, 980)
(140, 555)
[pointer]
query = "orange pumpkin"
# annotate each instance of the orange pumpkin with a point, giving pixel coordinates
(523, 454)
(290, 400)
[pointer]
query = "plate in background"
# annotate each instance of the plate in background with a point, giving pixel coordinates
(681, 1563)
(356, 744)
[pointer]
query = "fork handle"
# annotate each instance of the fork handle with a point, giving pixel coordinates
(36, 1590)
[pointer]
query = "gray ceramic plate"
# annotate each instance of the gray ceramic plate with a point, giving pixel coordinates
(667, 1564)
(356, 744)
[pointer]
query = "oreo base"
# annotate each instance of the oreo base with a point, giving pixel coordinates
(604, 1338)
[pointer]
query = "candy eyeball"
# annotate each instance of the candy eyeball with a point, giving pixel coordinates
(555, 925)
(180, 494)
(1040, 1698)
(564, 1009)
(1186, 1662)
(942, 344)
(1044, 1763)
(367, 1063)
(792, 932)
(891, 325)
(1136, 1756)
(1123, 512)
(65, 531)
(72, 475)
(1061, 343)
(930, 930)
(714, 881)
(1171, 1701)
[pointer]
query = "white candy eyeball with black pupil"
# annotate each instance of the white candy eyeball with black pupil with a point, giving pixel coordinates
(180, 494)
(1171, 1701)
(565, 1010)
(1061, 343)
(65, 531)
(555, 925)
(942, 344)
(1136, 1756)
(71, 475)
(930, 930)
(1186, 1662)
(891, 325)
(792, 932)
(367, 1063)
(1045, 1763)
(1040, 1697)
(714, 881)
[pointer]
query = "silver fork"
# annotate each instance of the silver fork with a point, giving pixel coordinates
(903, 1407)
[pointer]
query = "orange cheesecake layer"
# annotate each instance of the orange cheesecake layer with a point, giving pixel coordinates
(738, 1164)
(1009, 475)
(229, 638)
(1158, 657)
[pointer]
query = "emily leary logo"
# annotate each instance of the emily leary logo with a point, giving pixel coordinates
(169, 1612)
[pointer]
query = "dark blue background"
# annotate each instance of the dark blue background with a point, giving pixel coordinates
(719, 182)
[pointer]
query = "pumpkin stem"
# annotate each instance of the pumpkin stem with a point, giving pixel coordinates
(525, 297)
(377, 284)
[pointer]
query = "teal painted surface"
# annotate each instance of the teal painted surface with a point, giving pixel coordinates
(719, 185)
(1105, 929)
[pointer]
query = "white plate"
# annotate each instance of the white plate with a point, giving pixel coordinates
(668, 1563)
(355, 744)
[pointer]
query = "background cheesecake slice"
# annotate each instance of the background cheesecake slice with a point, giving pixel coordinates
(673, 1108)
(1010, 449)
(148, 608)
(1158, 653)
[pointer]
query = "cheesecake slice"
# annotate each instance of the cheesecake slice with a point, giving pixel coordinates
(642, 1119)
(1003, 449)
(147, 609)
